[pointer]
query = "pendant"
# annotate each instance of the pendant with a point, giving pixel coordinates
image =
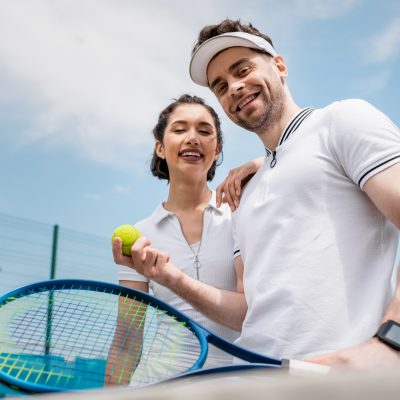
(197, 266)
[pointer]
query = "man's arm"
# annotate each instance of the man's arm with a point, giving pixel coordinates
(223, 306)
(384, 191)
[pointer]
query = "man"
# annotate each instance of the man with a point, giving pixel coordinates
(317, 226)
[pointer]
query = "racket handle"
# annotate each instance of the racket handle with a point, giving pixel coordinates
(303, 368)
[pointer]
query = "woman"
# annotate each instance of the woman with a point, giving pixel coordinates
(186, 254)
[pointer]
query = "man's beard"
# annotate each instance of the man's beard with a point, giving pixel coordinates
(270, 116)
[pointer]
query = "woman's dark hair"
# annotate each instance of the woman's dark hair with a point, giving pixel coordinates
(158, 166)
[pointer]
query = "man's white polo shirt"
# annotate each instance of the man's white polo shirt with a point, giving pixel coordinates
(318, 256)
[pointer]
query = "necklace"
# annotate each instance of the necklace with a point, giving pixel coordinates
(196, 262)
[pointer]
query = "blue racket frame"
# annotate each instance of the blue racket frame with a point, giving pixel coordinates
(203, 335)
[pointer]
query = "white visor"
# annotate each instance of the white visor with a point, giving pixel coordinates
(211, 47)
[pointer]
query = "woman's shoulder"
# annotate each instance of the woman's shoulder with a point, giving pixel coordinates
(223, 210)
(151, 220)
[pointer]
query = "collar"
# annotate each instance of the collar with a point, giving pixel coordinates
(212, 205)
(292, 126)
(160, 213)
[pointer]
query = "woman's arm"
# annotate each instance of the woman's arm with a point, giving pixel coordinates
(126, 347)
(223, 306)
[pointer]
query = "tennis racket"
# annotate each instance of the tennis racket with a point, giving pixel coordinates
(64, 335)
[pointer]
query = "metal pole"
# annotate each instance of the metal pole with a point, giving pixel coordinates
(54, 252)
(50, 300)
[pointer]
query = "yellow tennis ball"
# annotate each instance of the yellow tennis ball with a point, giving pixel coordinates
(128, 234)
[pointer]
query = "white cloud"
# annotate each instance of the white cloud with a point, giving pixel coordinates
(121, 189)
(378, 52)
(98, 71)
(317, 9)
(386, 45)
(92, 196)
(93, 75)
(374, 83)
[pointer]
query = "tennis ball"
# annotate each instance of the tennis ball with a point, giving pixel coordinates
(128, 234)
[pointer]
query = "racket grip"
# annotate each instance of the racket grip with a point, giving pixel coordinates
(302, 368)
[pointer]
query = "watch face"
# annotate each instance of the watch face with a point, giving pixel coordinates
(389, 333)
(393, 334)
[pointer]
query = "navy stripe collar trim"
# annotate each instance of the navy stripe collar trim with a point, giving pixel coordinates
(292, 126)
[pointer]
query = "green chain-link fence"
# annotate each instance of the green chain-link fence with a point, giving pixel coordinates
(32, 251)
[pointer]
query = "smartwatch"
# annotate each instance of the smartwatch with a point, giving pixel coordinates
(389, 333)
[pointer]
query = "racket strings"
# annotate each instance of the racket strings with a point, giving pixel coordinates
(128, 338)
(168, 348)
(71, 339)
(63, 337)
(67, 317)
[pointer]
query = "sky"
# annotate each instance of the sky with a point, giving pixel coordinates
(82, 83)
